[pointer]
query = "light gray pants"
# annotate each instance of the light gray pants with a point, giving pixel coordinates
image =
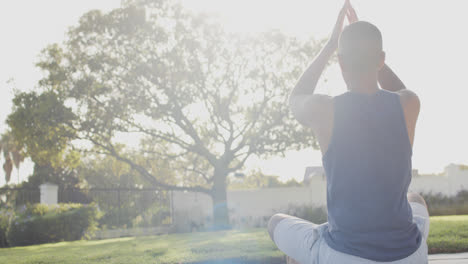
(303, 241)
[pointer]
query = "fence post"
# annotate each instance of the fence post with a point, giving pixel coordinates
(49, 193)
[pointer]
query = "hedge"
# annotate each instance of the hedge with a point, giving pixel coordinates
(440, 204)
(37, 224)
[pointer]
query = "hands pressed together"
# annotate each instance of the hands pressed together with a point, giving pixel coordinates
(347, 11)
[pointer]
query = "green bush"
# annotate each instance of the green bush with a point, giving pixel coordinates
(152, 217)
(5, 216)
(439, 204)
(37, 224)
(316, 215)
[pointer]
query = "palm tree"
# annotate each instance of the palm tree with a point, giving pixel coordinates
(12, 153)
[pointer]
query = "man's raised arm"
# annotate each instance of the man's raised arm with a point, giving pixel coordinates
(409, 100)
(389, 81)
(308, 108)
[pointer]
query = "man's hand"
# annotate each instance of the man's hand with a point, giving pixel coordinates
(352, 16)
(308, 108)
(339, 25)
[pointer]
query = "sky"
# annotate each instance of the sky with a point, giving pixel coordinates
(425, 43)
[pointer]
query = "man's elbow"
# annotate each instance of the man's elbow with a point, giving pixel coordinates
(410, 100)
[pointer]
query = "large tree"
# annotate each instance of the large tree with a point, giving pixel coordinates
(173, 86)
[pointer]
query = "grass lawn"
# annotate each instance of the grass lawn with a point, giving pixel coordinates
(448, 234)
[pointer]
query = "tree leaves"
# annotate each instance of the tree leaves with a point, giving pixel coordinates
(12, 153)
(44, 126)
(199, 98)
(8, 167)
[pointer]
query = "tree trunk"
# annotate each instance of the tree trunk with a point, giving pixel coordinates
(219, 197)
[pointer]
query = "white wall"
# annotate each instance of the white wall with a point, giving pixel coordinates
(191, 210)
(453, 180)
(254, 207)
(247, 208)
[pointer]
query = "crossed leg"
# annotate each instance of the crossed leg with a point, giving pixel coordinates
(296, 237)
(274, 221)
(303, 229)
(416, 198)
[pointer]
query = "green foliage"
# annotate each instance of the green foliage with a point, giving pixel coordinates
(439, 204)
(66, 179)
(38, 224)
(43, 125)
(28, 192)
(138, 208)
(13, 153)
(154, 216)
(134, 212)
(316, 215)
(11, 198)
(5, 218)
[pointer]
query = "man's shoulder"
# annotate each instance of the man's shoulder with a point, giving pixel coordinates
(406, 97)
(409, 99)
(405, 93)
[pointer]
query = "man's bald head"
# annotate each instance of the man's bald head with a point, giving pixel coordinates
(360, 48)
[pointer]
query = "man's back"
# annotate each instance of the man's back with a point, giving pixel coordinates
(366, 137)
(368, 168)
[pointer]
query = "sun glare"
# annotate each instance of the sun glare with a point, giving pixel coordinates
(408, 40)
(260, 15)
(427, 51)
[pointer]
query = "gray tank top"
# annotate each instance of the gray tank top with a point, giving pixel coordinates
(368, 169)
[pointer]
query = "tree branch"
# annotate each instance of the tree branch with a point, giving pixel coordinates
(242, 162)
(180, 119)
(148, 176)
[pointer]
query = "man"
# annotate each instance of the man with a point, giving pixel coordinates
(366, 137)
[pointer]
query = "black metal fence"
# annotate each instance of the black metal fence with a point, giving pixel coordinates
(120, 207)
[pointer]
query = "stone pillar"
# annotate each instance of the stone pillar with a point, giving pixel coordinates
(49, 193)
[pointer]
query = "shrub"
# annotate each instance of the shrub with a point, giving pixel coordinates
(5, 217)
(37, 224)
(439, 204)
(152, 217)
(316, 215)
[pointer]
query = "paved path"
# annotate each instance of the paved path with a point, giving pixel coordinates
(461, 258)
